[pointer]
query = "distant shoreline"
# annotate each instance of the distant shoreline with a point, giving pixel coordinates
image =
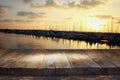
(109, 38)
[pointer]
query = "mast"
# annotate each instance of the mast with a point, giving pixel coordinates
(112, 24)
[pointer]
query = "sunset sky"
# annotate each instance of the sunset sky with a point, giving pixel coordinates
(38, 13)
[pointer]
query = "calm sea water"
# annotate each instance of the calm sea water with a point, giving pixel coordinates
(15, 41)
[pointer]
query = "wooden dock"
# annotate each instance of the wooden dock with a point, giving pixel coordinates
(59, 62)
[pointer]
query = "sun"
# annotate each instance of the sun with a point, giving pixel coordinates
(94, 23)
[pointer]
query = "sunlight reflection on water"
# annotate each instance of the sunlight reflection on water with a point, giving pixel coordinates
(14, 41)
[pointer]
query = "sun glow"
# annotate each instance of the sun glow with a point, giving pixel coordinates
(95, 24)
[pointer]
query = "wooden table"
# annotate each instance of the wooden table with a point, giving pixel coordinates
(59, 62)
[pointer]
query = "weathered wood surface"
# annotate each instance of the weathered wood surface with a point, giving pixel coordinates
(59, 62)
(92, 77)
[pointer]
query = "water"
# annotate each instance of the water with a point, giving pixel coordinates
(15, 41)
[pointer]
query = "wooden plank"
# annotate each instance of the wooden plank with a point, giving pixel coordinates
(20, 78)
(107, 66)
(49, 64)
(113, 56)
(62, 64)
(88, 77)
(55, 78)
(100, 59)
(16, 55)
(20, 63)
(81, 60)
(95, 77)
(113, 50)
(34, 60)
(49, 61)
(26, 63)
(2, 52)
(8, 58)
(5, 52)
(82, 64)
(61, 61)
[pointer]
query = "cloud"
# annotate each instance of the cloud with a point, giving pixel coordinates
(16, 20)
(31, 14)
(5, 6)
(3, 11)
(91, 3)
(70, 4)
(48, 3)
(27, 1)
(86, 4)
(118, 21)
(1, 16)
(107, 17)
(103, 16)
(68, 18)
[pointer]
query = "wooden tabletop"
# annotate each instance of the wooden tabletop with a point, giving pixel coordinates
(59, 62)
